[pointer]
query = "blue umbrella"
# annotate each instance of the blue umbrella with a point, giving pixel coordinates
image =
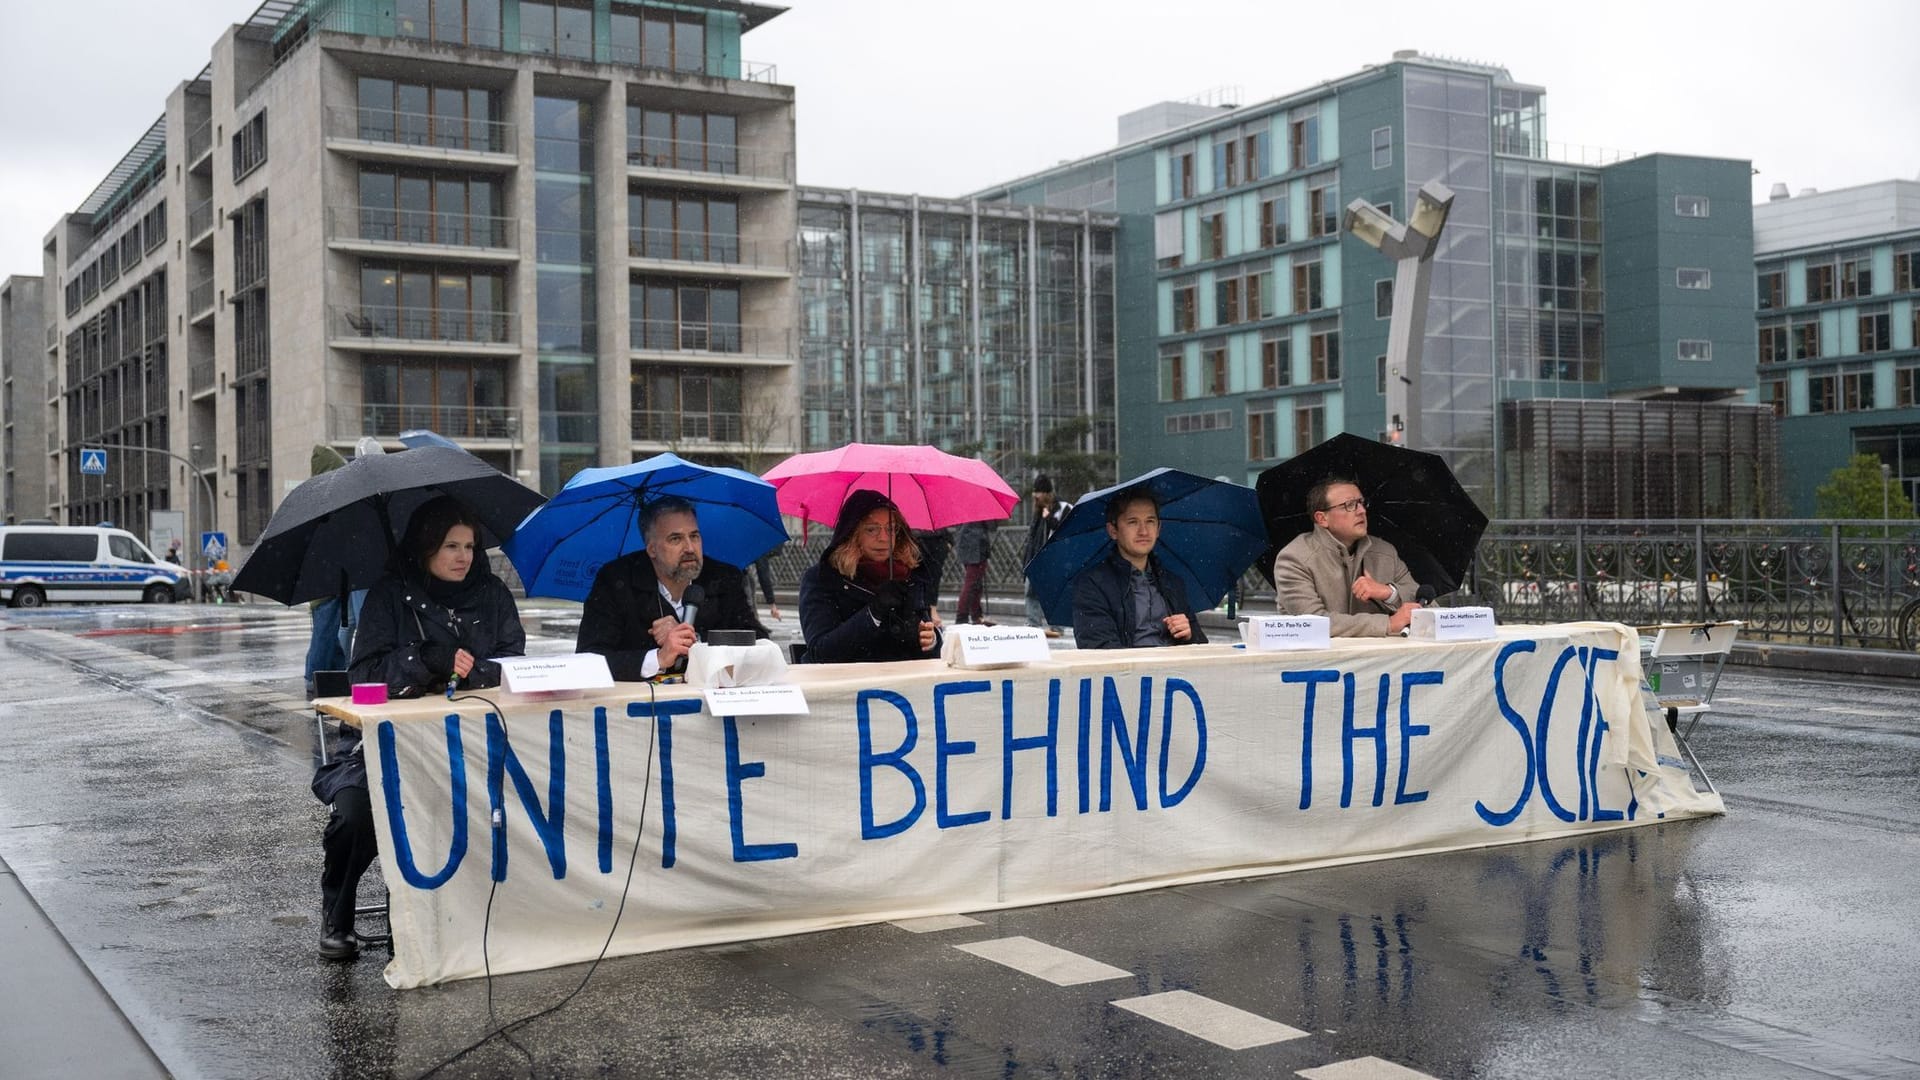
(415, 438)
(595, 519)
(1210, 532)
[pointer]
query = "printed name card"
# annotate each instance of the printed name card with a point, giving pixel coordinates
(784, 700)
(543, 674)
(1452, 624)
(1272, 633)
(995, 646)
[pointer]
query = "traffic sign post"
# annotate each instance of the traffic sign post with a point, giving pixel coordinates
(93, 462)
(214, 546)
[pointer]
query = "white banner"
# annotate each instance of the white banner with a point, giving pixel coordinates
(913, 789)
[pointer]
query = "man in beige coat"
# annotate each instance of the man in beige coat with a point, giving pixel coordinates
(1335, 569)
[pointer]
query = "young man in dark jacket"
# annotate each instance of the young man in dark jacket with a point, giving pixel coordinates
(636, 615)
(1048, 512)
(1128, 600)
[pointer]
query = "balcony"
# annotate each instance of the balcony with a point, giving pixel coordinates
(200, 299)
(495, 422)
(678, 428)
(435, 329)
(729, 341)
(383, 229)
(200, 142)
(199, 222)
(388, 135)
(53, 338)
(707, 164)
(669, 249)
(200, 376)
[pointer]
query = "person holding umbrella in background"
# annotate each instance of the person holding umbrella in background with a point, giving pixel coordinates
(434, 624)
(869, 596)
(1129, 600)
(1048, 512)
(1336, 569)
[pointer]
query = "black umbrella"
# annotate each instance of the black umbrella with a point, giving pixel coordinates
(1413, 503)
(338, 530)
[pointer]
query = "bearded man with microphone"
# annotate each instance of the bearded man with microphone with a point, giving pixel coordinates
(648, 608)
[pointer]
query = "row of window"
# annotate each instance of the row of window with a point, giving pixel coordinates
(1245, 294)
(1309, 427)
(1243, 155)
(1276, 363)
(250, 145)
(1845, 276)
(1323, 219)
(140, 238)
(1799, 338)
(1846, 391)
(660, 39)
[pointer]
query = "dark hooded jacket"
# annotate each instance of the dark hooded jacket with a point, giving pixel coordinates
(617, 621)
(1103, 611)
(845, 622)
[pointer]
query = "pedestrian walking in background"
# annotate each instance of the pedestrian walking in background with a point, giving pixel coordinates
(935, 546)
(1047, 512)
(972, 545)
(763, 573)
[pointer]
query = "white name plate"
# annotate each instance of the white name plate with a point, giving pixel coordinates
(1452, 624)
(996, 646)
(784, 700)
(1272, 633)
(543, 674)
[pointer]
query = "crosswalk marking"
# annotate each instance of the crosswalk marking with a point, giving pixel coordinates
(933, 923)
(1215, 1021)
(1043, 961)
(1366, 1068)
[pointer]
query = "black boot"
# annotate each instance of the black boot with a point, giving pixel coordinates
(338, 945)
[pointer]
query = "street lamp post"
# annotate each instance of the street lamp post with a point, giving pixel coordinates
(1411, 246)
(213, 507)
(1886, 481)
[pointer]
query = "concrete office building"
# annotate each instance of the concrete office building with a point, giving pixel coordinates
(1838, 292)
(1586, 325)
(971, 326)
(23, 396)
(561, 233)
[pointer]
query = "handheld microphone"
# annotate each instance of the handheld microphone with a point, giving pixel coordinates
(1425, 595)
(691, 600)
(453, 684)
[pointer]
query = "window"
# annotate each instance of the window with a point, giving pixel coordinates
(1382, 147)
(1263, 441)
(1276, 362)
(557, 30)
(1226, 161)
(414, 114)
(1307, 292)
(1806, 339)
(1823, 393)
(1213, 359)
(1695, 349)
(1773, 344)
(1323, 350)
(1819, 283)
(1187, 423)
(674, 316)
(1772, 287)
(1213, 233)
(1303, 137)
(431, 303)
(430, 208)
(1309, 423)
(1383, 298)
(696, 403)
(1173, 373)
(1690, 205)
(1255, 155)
(250, 145)
(1856, 391)
(1693, 277)
(1380, 375)
(683, 225)
(1774, 392)
(460, 398)
(1856, 274)
(1167, 239)
(1228, 300)
(1323, 205)
(454, 22)
(1906, 387)
(1876, 330)
(1273, 220)
(1906, 270)
(1180, 173)
(1260, 295)
(1185, 304)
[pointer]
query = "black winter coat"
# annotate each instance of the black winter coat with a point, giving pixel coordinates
(618, 618)
(838, 627)
(1103, 614)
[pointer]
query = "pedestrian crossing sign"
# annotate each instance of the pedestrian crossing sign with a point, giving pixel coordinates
(93, 462)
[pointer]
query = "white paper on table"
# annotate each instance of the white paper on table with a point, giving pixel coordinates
(571, 671)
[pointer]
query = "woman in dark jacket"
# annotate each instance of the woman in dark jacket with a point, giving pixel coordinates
(433, 623)
(869, 597)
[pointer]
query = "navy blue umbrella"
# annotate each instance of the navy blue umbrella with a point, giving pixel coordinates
(1210, 532)
(595, 519)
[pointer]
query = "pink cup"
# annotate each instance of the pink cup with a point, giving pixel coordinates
(369, 693)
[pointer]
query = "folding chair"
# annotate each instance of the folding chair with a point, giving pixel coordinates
(337, 684)
(1683, 666)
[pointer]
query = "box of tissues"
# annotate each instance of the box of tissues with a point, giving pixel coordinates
(1271, 633)
(1451, 624)
(759, 664)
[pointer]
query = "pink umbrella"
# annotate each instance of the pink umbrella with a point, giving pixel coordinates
(934, 489)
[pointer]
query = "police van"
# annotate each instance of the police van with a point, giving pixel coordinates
(39, 563)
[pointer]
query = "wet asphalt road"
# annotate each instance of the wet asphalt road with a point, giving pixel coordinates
(155, 806)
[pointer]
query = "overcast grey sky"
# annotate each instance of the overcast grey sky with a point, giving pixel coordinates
(944, 98)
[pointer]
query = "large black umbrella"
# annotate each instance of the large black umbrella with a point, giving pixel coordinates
(338, 530)
(1413, 503)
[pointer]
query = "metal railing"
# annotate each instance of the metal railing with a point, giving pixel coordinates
(201, 454)
(419, 129)
(199, 219)
(199, 140)
(654, 425)
(728, 339)
(200, 375)
(730, 251)
(691, 156)
(424, 324)
(379, 224)
(454, 421)
(200, 297)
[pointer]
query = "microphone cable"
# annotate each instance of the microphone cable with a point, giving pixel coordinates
(506, 1030)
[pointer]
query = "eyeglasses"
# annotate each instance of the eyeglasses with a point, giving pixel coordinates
(1349, 506)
